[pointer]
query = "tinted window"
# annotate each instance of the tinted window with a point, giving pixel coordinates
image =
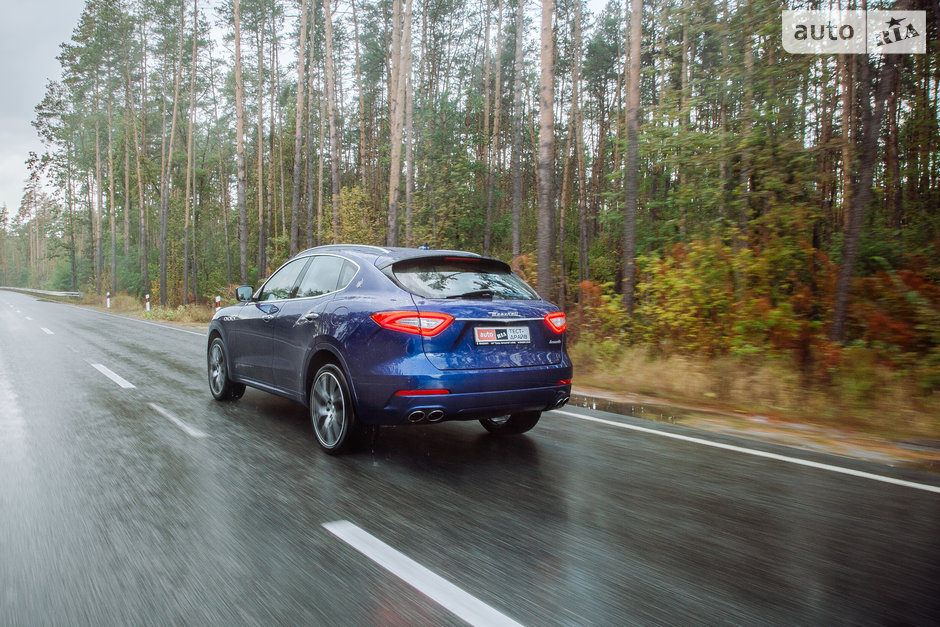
(281, 283)
(347, 274)
(461, 278)
(323, 276)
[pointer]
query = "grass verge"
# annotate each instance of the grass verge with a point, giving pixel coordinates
(130, 305)
(859, 395)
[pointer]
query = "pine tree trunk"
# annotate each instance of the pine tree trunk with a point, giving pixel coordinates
(723, 116)
(861, 191)
(311, 74)
(849, 130)
(893, 186)
(165, 185)
(517, 136)
(485, 122)
(546, 165)
(631, 172)
(69, 191)
(362, 106)
(495, 136)
(96, 214)
(189, 154)
(331, 107)
(323, 117)
(140, 146)
(127, 158)
(409, 144)
(112, 200)
(241, 174)
(298, 134)
(579, 148)
(259, 159)
(223, 175)
(744, 176)
(401, 39)
(274, 160)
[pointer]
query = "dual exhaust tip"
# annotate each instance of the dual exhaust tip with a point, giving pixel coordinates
(419, 415)
(437, 415)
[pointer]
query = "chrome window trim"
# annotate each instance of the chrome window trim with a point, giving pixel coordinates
(310, 259)
(337, 291)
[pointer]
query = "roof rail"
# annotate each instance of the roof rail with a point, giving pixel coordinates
(368, 247)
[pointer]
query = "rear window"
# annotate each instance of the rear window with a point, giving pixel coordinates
(461, 278)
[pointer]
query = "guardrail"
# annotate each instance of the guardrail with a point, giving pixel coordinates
(44, 292)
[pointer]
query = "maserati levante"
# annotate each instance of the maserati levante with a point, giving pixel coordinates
(367, 336)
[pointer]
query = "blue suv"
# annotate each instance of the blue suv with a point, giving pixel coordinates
(367, 336)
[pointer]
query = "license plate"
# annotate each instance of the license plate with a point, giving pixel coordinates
(501, 335)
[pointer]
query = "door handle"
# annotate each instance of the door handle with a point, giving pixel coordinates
(267, 318)
(311, 315)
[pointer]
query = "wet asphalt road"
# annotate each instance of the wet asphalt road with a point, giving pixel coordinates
(154, 504)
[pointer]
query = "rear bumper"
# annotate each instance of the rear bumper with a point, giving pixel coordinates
(472, 395)
(416, 409)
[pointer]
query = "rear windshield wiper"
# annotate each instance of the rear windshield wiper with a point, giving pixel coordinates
(475, 294)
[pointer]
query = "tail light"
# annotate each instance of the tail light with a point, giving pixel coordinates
(557, 321)
(424, 323)
(428, 392)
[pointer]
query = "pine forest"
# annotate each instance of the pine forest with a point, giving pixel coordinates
(662, 169)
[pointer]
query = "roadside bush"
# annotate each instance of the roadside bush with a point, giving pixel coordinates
(685, 299)
(183, 313)
(749, 329)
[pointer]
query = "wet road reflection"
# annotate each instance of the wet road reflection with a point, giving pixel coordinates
(110, 514)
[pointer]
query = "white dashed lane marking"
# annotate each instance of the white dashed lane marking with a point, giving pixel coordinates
(449, 596)
(121, 381)
(196, 433)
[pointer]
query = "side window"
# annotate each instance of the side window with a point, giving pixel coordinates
(321, 277)
(346, 275)
(281, 284)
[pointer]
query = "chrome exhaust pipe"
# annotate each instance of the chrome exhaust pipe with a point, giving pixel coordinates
(561, 403)
(416, 416)
(436, 415)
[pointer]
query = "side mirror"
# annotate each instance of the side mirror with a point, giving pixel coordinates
(243, 293)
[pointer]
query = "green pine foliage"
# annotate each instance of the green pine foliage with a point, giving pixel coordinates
(747, 156)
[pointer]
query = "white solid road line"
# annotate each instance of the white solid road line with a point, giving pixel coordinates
(116, 378)
(196, 433)
(449, 596)
(139, 321)
(748, 451)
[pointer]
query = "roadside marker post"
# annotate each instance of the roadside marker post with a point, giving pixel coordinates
(147, 305)
(109, 300)
(218, 303)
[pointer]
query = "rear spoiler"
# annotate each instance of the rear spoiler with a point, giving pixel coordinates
(440, 255)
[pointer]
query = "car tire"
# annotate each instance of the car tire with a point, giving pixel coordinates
(331, 410)
(220, 384)
(513, 424)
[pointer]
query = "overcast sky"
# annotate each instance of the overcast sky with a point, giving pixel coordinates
(30, 34)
